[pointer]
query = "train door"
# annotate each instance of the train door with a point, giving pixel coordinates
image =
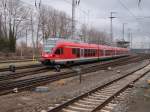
(81, 53)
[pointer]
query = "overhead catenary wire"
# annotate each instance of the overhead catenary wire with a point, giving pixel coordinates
(135, 17)
(83, 11)
(131, 13)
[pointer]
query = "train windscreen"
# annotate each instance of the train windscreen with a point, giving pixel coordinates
(49, 45)
(48, 49)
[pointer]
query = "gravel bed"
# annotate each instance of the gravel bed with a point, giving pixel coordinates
(139, 98)
(31, 101)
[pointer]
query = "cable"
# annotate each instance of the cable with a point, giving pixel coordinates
(137, 20)
(86, 13)
(126, 8)
(67, 2)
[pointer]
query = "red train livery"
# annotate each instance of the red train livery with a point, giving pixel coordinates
(61, 51)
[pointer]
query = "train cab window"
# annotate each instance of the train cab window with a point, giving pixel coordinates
(59, 51)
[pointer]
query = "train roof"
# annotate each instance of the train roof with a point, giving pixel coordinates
(77, 43)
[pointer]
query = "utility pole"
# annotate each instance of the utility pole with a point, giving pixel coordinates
(88, 19)
(38, 8)
(129, 34)
(130, 37)
(123, 32)
(26, 37)
(74, 4)
(139, 2)
(149, 48)
(21, 48)
(32, 33)
(73, 17)
(111, 25)
(131, 40)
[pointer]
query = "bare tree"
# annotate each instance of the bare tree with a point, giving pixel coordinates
(14, 15)
(53, 22)
(16, 18)
(92, 35)
(65, 22)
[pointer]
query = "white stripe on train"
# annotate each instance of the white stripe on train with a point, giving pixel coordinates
(83, 59)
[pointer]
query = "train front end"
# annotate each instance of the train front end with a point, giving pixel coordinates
(47, 56)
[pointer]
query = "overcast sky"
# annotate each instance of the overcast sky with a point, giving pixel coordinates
(95, 13)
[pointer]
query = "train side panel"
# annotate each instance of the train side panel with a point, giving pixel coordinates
(65, 52)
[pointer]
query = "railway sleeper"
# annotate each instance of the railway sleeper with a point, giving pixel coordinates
(83, 104)
(79, 109)
(88, 102)
(98, 97)
(92, 100)
(68, 110)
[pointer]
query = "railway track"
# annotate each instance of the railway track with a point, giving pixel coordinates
(39, 69)
(28, 83)
(99, 99)
(20, 67)
(6, 77)
(118, 62)
(119, 99)
(14, 61)
(39, 65)
(5, 69)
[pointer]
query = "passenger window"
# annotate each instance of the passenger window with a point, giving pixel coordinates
(57, 51)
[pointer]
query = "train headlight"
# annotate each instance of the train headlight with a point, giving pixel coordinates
(46, 55)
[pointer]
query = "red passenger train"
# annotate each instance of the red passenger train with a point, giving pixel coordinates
(61, 51)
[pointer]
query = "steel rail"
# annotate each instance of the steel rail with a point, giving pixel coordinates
(20, 67)
(33, 82)
(8, 76)
(104, 94)
(16, 61)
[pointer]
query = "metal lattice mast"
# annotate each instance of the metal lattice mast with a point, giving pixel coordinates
(111, 25)
(73, 18)
(74, 4)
